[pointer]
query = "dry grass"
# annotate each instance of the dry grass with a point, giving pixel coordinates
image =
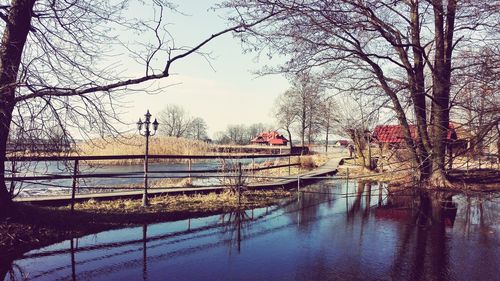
(135, 145)
(211, 202)
(306, 163)
(397, 169)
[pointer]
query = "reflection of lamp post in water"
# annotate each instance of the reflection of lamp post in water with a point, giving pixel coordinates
(147, 133)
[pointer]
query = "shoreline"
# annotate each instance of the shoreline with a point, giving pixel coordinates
(476, 180)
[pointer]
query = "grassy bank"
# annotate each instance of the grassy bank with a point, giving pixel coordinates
(400, 173)
(35, 226)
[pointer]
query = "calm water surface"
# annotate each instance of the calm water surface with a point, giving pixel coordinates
(322, 235)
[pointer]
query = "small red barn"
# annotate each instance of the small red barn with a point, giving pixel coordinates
(270, 138)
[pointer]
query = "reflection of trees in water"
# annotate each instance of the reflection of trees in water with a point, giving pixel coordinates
(356, 205)
(11, 271)
(365, 197)
(308, 205)
(478, 213)
(423, 250)
(236, 225)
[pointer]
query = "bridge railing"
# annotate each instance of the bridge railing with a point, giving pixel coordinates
(72, 177)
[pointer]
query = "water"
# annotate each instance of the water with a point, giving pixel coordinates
(322, 235)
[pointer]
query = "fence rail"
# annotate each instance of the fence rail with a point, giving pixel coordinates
(150, 156)
(74, 174)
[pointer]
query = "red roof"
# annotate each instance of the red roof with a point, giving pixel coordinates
(278, 141)
(394, 133)
(343, 142)
(271, 137)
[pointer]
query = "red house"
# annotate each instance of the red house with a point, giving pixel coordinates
(393, 134)
(269, 138)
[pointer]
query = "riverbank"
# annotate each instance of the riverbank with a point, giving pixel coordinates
(402, 175)
(35, 226)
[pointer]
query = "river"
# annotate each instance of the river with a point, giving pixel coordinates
(332, 231)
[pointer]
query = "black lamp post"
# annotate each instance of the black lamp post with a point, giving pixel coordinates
(147, 133)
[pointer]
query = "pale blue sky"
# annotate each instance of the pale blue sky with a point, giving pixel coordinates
(230, 94)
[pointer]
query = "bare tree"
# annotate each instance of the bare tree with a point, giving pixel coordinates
(328, 117)
(175, 121)
(221, 137)
(198, 129)
(237, 134)
(476, 104)
(397, 44)
(305, 97)
(354, 118)
(255, 129)
(285, 114)
(56, 64)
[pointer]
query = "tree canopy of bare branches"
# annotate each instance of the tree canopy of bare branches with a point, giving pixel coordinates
(58, 63)
(305, 98)
(406, 49)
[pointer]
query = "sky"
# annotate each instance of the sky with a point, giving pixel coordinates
(223, 92)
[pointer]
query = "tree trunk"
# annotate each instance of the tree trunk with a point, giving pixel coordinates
(289, 138)
(13, 41)
(417, 85)
(326, 138)
(440, 109)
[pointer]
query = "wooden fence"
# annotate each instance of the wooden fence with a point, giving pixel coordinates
(74, 162)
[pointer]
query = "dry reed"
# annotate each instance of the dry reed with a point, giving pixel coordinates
(135, 145)
(224, 201)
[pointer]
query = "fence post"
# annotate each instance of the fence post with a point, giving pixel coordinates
(298, 183)
(253, 166)
(347, 178)
(347, 190)
(73, 187)
(189, 168)
(12, 182)
(289, 163)
(239, 183)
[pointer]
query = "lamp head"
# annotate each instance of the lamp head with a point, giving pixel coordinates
(139, 124)
(148, 116)
(155, 125)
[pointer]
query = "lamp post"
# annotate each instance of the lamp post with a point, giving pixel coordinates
(147, 133)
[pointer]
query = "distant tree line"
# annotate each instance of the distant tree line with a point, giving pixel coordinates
(177, 122)
(239, 134)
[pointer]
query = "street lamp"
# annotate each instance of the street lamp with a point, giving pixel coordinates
(147, 133)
